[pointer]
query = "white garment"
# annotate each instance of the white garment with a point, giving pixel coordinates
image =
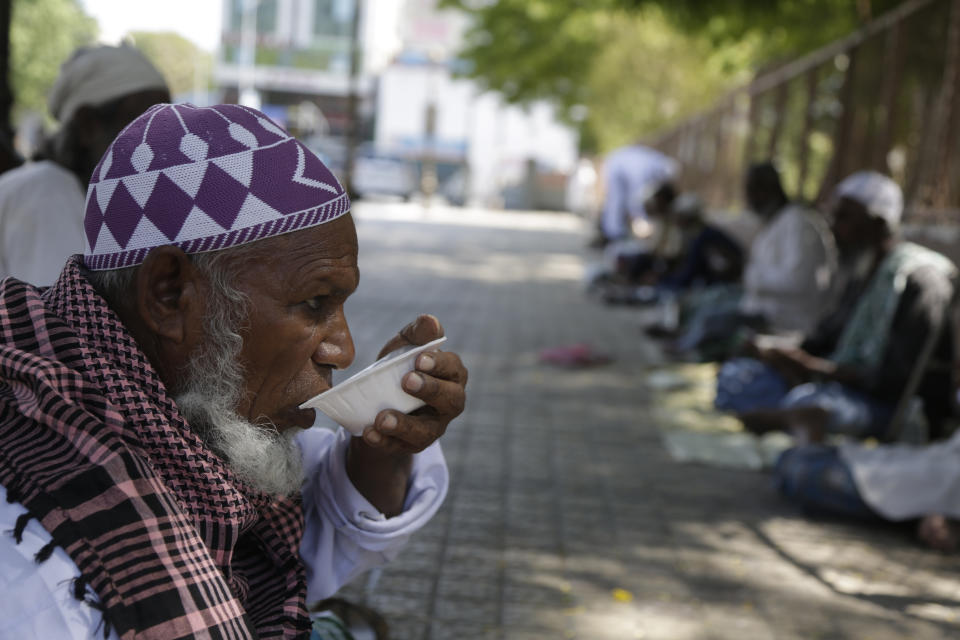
(344, 536)
(788, 274)
(904, 481)
(630, 175)
(41, 221)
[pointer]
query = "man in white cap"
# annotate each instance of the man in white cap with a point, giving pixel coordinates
(850, 372)
(98, 92)
(901, 309)
(157, 469)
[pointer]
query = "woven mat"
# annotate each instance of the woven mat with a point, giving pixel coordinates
(690, 428)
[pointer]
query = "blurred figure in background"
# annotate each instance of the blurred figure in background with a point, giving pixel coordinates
(710, 256)
(98, 92)
(628, 175)
(654, 243)
(786, 281)
(849, 374)
(688, 252)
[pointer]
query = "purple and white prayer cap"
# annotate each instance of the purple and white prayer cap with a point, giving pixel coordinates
(203, 179)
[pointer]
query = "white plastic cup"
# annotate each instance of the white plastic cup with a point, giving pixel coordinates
(355, 402)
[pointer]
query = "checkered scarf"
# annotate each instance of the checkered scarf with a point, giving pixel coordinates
(172, 542)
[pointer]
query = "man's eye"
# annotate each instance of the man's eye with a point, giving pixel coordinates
(315, 303)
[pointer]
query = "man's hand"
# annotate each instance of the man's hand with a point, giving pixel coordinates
(796, 365)
(379, 463)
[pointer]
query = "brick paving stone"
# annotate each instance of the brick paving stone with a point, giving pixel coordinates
(566, 518)
(408, 627)
(466, 584)
(478, 612)
(444, 630)
(550, 619)
(414, 584)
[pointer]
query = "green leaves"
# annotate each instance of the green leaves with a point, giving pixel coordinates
(637, 65)
(43, 33)
(181, 62)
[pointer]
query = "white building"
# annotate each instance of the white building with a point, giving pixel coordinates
(295, 56)
(496, 142)
(291, 51)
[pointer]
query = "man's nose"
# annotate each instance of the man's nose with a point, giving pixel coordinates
(336, 348)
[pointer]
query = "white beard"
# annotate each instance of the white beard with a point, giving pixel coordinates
(259, 454)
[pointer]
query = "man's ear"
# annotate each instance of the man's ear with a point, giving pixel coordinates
(169, 298)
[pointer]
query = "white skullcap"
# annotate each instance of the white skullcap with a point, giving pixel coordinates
(880, 195)
(688, 206)
(97, 75)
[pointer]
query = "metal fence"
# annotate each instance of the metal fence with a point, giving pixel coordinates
(883, 98)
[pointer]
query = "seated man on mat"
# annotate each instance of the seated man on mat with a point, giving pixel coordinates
(848, 376)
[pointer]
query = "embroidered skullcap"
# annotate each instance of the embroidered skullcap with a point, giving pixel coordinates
(98, 75)
(202, 179)
(880, 195)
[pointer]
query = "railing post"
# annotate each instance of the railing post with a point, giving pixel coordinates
(780, 106)
(753, 116)
(841, 137)
(813, 82)
(941, 187)
(889, 90)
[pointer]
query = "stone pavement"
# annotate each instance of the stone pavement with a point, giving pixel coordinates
(566, 518)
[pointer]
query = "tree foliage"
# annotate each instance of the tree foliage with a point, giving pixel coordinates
(43, 34)
(182, 63)
(623, 68)
(786, 27)
(646, 76)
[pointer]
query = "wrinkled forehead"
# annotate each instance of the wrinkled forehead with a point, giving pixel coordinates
(306, 253)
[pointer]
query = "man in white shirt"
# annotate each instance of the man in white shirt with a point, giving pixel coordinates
(787, 280)
(98, 92)
(152, 443)
(787, 277)
(631, 175)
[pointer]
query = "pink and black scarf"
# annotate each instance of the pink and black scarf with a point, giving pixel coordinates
(173, 544)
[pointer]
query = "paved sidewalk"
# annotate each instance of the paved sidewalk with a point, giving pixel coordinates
(566, 518)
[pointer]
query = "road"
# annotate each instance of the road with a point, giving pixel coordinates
(566, 518)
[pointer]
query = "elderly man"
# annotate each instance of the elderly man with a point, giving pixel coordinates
(848, 375)
(152, 451)
(98, 92)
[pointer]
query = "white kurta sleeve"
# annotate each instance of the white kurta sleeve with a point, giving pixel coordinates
(41, 222)
(36, 602)
(345, 535)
